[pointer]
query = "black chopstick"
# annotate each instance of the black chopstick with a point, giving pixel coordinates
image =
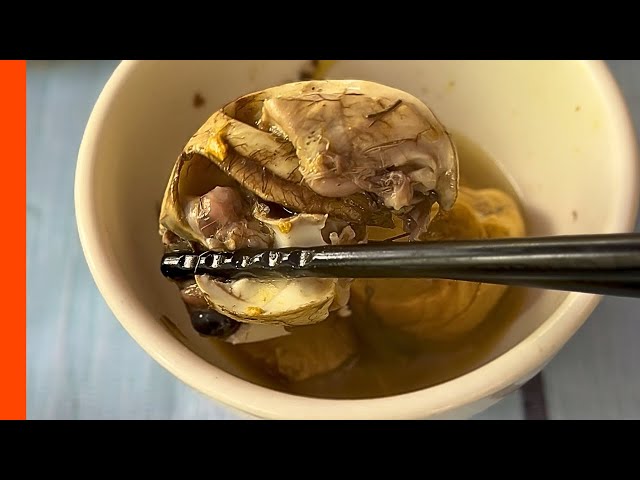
(600, 264)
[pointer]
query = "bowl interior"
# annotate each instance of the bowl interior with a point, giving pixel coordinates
(544, 122)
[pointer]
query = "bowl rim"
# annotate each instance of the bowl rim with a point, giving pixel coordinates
(488, 381)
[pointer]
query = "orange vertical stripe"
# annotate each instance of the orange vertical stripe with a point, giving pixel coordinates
(13, 85)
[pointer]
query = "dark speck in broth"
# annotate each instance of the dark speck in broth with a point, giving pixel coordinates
(307, 72)
(198, 100)
(304, 75)
(578, 108)
(574, 215)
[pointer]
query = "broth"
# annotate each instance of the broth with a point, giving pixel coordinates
(388, 361)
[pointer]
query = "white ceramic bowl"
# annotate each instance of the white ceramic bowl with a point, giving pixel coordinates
(559, 128)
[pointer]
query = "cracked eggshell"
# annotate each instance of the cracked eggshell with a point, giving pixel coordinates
(300, 301)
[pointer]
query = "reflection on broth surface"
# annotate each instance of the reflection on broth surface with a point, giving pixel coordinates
(404, 334)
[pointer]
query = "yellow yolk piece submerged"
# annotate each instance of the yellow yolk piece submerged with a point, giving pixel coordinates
(444, 309)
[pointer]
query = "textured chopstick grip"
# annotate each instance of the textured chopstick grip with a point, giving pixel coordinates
(589, 263)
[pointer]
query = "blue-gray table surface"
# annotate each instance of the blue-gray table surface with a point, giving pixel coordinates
(81, 364)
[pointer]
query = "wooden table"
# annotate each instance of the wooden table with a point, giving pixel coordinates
(83, 365)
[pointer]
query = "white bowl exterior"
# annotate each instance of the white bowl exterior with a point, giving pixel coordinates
(560, 128)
